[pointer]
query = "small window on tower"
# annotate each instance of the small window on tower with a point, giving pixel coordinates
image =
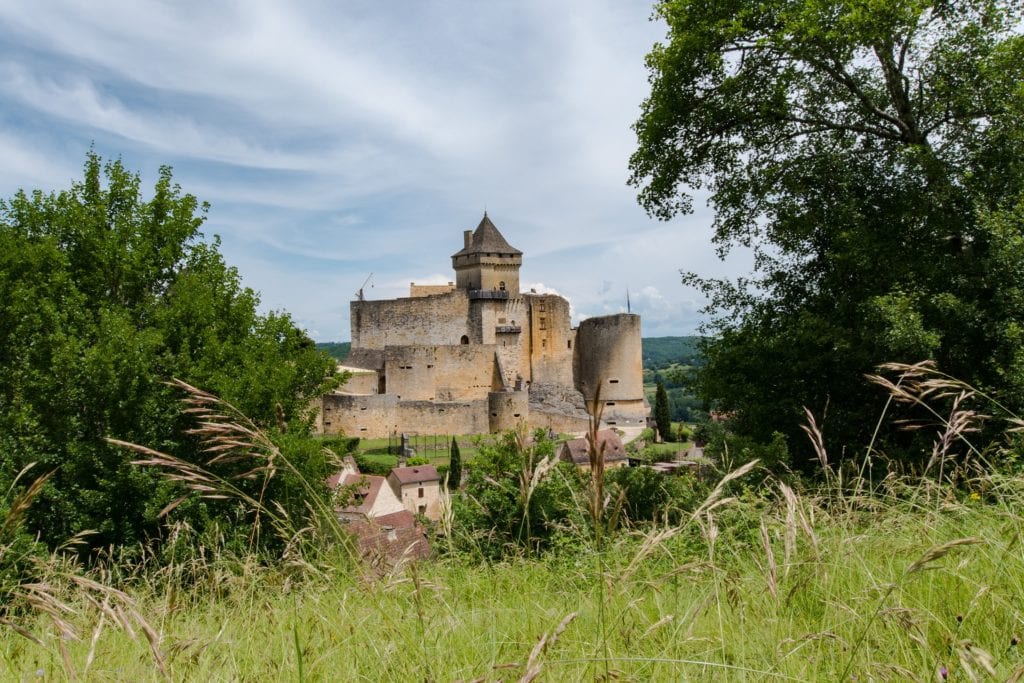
(501, 286)
(543, 323)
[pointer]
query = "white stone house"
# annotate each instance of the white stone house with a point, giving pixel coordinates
(419, 489)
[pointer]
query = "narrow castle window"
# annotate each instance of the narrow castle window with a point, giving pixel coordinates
(501, 285)
(542, 307)
(465, 340)
(543, 323)
(613, 381)
(569, 343)
(543, 343)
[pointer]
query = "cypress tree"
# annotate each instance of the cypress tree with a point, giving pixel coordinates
(454, 466)
(662, 417)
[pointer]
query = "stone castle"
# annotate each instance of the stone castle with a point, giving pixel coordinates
(477, 355)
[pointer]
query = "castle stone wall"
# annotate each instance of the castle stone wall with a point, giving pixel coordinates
(484, 357)
(432, 417)
(416, 290)
(378, 416)
(551, 339)
(435, 320)
(363, 416)
(560, 423)
(359, 382)
(506, 409)
(442, 373)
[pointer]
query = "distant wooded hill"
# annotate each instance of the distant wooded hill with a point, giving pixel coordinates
(337, 350)
(659, 352)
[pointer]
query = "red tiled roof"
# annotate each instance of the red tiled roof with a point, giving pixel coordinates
(386, 540)
(399, 520)
(578, 450)
(415, 475)
(365, 494)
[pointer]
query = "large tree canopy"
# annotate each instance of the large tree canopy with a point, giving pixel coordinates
(871, 153)
(104, 296)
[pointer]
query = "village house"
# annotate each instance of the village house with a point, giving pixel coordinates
(419, 489)
(609, 443)
(385, 529)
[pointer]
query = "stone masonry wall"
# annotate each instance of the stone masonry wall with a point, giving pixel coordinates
(551, 338)
(380, 415)
(442, 373)
(435, 320)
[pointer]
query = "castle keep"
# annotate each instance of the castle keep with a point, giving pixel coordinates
(477, 356)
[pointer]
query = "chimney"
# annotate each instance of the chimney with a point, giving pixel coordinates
(467, 237)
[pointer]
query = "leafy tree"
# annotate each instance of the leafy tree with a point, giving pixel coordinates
(662, 417)
(454, 466)
(870, 154)
(104, 296)
(504, 507)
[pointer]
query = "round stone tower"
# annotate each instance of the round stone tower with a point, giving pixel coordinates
(609, 367)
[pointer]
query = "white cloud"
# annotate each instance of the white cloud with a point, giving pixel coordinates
(335, 140)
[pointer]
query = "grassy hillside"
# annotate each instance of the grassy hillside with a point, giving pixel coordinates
(812, 587)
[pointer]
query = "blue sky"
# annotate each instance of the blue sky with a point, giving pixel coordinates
(336, 139)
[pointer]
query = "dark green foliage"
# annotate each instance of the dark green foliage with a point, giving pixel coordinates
(336, 350)
(376, 466)
(662, 418)
(103, 297)
(729, 450)
(650, 496)
(498, 511)
(454, 466)
(871, 157)
(340, 445)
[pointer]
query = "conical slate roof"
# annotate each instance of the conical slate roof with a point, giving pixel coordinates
(487, 239)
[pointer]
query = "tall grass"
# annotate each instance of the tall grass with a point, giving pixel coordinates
(908, 579)
(886, 591)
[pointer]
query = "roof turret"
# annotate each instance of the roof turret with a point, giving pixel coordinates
(487, 239)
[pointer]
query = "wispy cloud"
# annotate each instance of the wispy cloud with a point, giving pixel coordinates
(338, 139)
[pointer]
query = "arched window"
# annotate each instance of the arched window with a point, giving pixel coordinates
(464, 340)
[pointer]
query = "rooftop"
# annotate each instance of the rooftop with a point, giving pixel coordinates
(608, 442)
(487, 239)
(365, 493)
(415, 475)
